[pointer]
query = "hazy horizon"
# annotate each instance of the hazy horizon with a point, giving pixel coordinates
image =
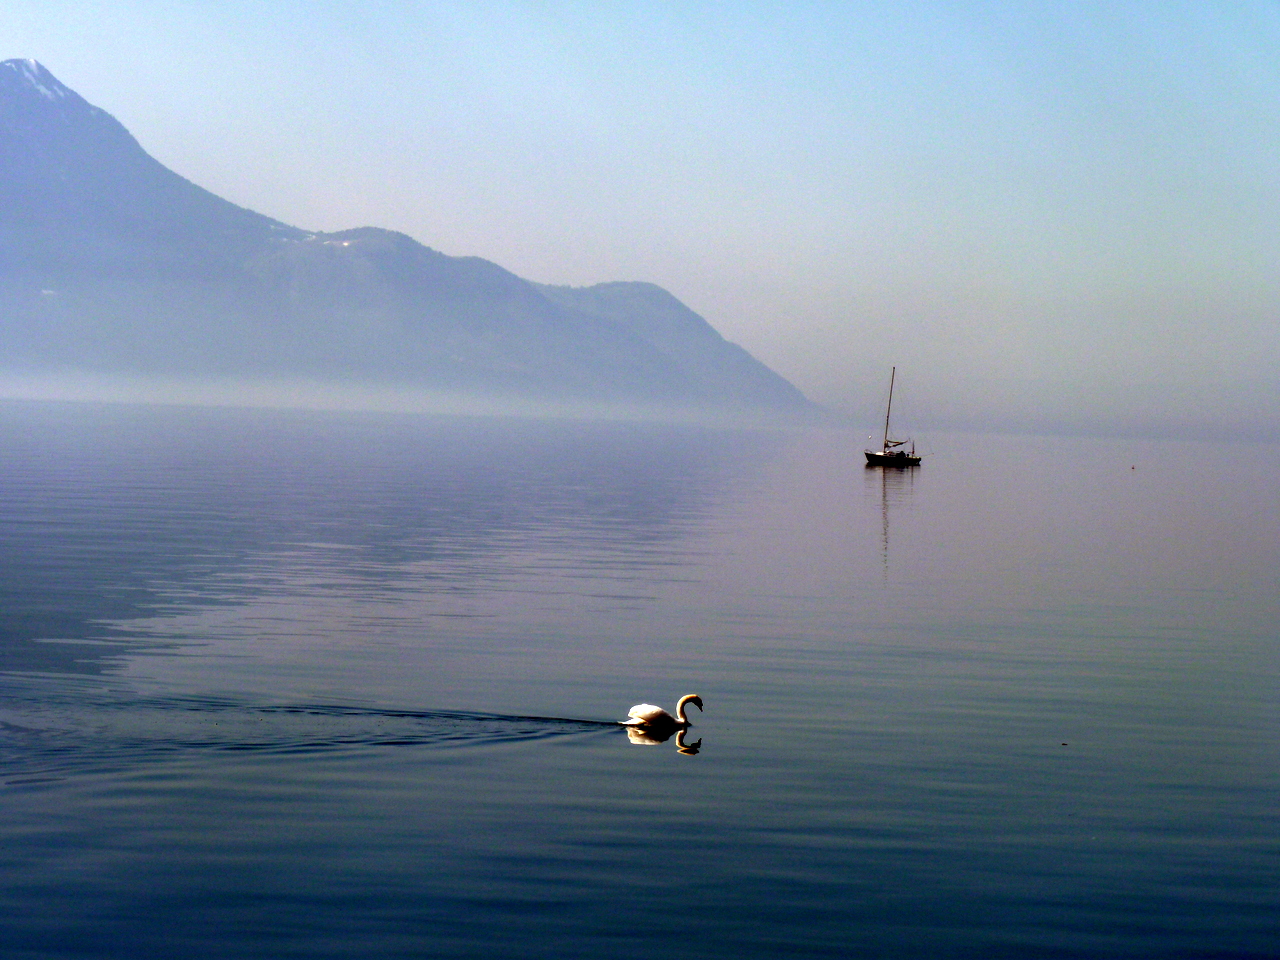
(1057, 217)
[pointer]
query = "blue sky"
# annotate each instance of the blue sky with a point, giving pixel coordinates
(1067, 213)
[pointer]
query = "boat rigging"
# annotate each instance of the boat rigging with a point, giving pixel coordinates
(891, 453)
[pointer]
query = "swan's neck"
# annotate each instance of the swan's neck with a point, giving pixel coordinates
(680, 715)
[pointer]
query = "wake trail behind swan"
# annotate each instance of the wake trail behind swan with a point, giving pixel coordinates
(60, 739)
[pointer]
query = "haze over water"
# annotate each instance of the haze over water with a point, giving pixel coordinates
(336, 685)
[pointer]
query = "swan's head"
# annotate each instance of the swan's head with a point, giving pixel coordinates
(690, 699)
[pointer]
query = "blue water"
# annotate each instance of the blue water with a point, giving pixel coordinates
(333, 686)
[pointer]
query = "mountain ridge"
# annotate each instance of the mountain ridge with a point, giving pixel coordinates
(111, 262)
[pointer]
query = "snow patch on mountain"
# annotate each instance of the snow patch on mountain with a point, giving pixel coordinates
(35, 75)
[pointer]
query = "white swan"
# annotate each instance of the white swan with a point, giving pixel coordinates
(655, 718)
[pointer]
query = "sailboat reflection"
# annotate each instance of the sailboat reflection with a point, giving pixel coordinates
(643, 737)
(894, 489)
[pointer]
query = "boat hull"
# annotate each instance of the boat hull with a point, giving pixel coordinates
(877, 459)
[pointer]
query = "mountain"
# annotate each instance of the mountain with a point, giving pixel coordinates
(112, 263)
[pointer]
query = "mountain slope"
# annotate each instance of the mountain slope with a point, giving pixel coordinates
(719, 368)
(110, 262)
(79, 193)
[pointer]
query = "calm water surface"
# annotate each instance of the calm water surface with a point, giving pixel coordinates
(289, 685)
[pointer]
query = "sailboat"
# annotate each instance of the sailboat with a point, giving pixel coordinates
(890, 453)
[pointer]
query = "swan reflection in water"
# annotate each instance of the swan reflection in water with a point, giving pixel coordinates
(649, 738)
(648, 724)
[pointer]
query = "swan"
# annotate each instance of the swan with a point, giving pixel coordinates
(651, 717)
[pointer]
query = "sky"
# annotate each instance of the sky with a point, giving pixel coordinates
(1046, 214)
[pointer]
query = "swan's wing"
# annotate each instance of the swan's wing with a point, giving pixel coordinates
(647, 713)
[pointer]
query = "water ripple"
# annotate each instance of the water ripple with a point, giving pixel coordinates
(66, 738)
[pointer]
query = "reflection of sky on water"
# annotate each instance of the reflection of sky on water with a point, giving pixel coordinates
(110, 515)
(384, 655)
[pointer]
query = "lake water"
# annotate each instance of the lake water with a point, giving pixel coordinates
(279, 685)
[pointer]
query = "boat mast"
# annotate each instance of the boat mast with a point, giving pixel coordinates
(892, 373)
